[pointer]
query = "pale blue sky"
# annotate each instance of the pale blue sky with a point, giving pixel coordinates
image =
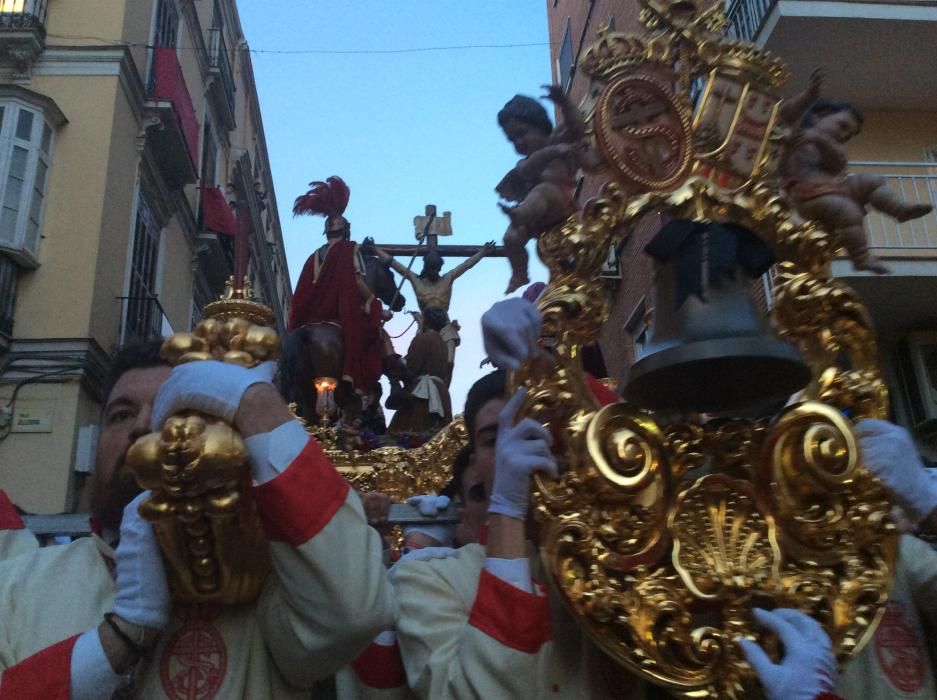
(404, 129)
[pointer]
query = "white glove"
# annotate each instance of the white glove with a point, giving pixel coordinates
(430, 505)
(209, 386)
(889, 452)
(808, 667)
(511, 331)
(142, 592)
(520, 451)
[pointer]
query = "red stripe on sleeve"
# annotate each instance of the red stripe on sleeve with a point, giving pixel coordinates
(380, 666)
(297, 504)
(828, 696)
(9, 518)
(46, 675)
(513, 617)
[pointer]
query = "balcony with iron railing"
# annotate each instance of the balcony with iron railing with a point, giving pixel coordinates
(862, 45)
(746, 18)
(23, 14)
(142, 318)
(903, 298)
(222, 87)
(22, 33)
(915, 182)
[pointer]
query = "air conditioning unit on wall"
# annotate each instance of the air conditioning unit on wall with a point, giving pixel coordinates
(917, 362)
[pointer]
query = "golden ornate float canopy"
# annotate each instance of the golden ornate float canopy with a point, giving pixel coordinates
(662, 533)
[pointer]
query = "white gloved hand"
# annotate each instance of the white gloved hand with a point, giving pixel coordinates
(209, 386)
(142, 592)
(808, 667)
(511, 331)
(889, 452)
(429, 505)
(520, 450)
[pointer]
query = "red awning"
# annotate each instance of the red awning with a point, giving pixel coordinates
(170, 86)
(216, 214)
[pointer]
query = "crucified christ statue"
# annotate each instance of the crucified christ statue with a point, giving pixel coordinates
(435, 290)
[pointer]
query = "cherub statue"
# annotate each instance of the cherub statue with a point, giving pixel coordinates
(544, 181)
(814, 174)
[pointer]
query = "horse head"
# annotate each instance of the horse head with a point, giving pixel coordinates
(380, 281)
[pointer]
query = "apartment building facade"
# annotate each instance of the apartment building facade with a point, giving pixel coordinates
(128, 132)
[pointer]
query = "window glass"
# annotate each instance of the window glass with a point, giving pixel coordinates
(25, 153)
(13, 192)
(144, 317)
(24, 126)
(35, 206)
(565, 59)
(167, 23)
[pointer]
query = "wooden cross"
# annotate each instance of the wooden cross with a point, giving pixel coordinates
(430, 226)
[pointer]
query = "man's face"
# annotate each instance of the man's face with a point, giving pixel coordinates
(484, 438)
(126, 418)
(432, 264)
(473, 512)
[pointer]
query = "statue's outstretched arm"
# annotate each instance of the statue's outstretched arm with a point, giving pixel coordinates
(471, 262)
(390, 259)
(573, 127)
(793, 109)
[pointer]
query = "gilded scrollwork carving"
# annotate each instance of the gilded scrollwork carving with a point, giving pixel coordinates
(400, 472)
(662, 534)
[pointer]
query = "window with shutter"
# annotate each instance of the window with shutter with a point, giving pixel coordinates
(26, 141)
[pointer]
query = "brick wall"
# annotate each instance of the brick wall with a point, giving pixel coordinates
(585, 17)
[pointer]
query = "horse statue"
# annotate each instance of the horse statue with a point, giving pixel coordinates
(317, 350)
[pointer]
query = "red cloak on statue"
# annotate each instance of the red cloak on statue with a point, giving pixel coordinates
(333, 297)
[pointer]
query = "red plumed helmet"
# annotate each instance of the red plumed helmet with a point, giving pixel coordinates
(328, 199)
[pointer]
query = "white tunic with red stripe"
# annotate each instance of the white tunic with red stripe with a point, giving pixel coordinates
(897, 662)
(327, 599)
(464, 633)
(15, 539)
(377, 673)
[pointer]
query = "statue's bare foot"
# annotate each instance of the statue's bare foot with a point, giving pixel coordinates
(516, 283)
(913, 211)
